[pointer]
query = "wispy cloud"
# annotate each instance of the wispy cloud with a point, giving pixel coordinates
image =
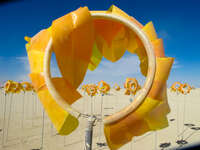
(14, 68)
(176, 65)
(125, 66)
(115, 72)
(23, 77)
(24, 61)
(17, 68)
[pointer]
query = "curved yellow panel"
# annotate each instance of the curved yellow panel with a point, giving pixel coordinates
(144, 118)
(95, 58)
(73, 39)
(63, 121)
(140, 51)
(158, 48)
(36, 59)
(111, 40)
(114, 38)
(79, 43)
(150, 31)
(157, 119)
(36, 47)
(35, 43)
(117, 11)
(67, 91)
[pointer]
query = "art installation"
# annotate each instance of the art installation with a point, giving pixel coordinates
(116, 87)
(95, 76)
(80, 39)
(129, 83)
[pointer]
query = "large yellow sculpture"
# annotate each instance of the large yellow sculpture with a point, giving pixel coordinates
(79, 42)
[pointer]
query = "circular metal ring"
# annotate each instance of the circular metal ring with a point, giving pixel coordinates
(145, 89)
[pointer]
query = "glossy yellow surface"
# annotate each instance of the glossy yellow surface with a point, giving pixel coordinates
(79, 43)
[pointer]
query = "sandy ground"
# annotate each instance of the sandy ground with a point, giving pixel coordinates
(21, 121)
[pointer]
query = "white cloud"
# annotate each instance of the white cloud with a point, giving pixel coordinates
(176, 65)
(115, 72)
(24, 61)
(14, 68)
(24, 67)
(23, 76)
(126, 65)
(22, 58)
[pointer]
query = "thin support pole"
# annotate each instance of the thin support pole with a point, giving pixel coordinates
(33, 110)
(23, 107)
(84, 102)
(64, 141)
(42, 142)
(9, 116)
(101, 112)
(177, 122)
(4, 120)
(131, 144)
(155, 142)
(52, 129)
(89, 133)
(91, 106)
(183, 115)
(2, 103)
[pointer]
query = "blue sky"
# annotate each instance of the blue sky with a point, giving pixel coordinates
(176, 21)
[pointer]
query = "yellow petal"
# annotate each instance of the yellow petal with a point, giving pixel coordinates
(150, 31)
(95, 59)
(36, 61)
(158, 48)
(40, 40)
(64, 122)
(143, 119)
(73, 39)
(68, 93)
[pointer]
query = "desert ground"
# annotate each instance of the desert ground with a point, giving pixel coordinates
(25, 126)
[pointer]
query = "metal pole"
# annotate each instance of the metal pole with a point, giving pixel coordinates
(23, 107)
(101, 112)
(89, 133)
(155, 142)
(4, 120)
(41, 147)
(183, 115)
(9, 116)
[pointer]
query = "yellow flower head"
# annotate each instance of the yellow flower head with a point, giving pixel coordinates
(91, 89)
(103, 87)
